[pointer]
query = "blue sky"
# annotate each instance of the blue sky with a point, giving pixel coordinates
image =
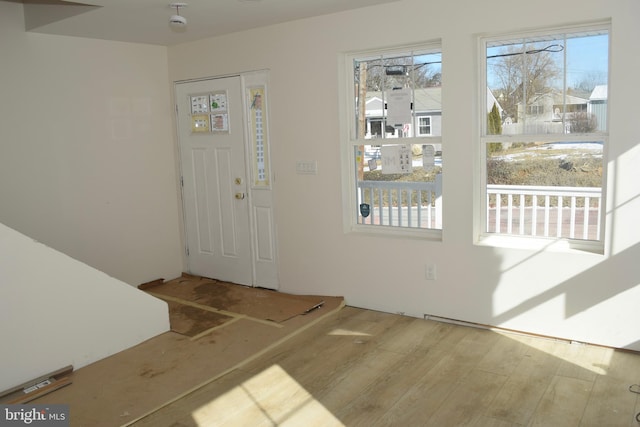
(586, 56)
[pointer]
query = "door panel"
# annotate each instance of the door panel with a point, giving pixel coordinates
(226, 204)
(204, 232)
(213, 165)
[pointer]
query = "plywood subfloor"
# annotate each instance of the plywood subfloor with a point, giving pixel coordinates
(233, 300)
(129, 384)
(192, 321)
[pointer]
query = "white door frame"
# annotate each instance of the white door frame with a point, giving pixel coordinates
(259, 181)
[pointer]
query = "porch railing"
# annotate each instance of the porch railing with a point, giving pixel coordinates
(569, 212)
(544, 211)
(402, 204)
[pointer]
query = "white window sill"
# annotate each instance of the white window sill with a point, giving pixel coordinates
(397, 232)
(541, 244)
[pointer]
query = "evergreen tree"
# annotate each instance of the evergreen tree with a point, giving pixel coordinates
(494, 127)
(494, 121)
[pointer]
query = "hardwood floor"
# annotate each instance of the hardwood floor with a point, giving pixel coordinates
(366, 368)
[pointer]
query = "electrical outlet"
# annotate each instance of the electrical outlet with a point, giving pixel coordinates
(430, 272)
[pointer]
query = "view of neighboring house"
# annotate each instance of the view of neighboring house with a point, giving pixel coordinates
(542, 115)
(545, 114)
(427, 118)
(427, 114)
(597, 106)
(554, 112)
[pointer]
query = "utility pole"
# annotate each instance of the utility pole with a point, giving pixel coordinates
(362, 119)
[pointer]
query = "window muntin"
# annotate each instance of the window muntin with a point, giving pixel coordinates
(396, 141)
(544, 134)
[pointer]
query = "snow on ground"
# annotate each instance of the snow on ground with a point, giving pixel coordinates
(555, 150)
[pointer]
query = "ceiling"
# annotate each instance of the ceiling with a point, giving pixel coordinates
(147, 21)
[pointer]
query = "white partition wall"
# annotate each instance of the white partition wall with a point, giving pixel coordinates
(56, 311)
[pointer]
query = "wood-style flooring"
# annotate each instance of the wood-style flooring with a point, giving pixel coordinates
(366, 368)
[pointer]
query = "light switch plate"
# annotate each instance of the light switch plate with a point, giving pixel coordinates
(307, 167)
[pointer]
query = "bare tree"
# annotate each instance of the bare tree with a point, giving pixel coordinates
(389, 73)
(590, 81)
(521, 75)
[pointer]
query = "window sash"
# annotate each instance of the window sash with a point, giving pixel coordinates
(570, 32)
(501, 40)
(356, 144)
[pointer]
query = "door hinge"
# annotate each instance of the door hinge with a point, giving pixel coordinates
(181, 182)
(187, 251)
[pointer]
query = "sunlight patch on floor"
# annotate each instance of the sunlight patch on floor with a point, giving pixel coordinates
(589, 358)
(348, 333)
(271, 397)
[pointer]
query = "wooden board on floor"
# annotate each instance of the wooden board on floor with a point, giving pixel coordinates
(254, 302)
(37, 387)
(192, 321)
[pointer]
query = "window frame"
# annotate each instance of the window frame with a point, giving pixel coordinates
(420, 125)
(348, 127)
(481, 236)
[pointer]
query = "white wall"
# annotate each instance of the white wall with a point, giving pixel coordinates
(581, 296)
(87, 161)
(86, 167)
(56, 311)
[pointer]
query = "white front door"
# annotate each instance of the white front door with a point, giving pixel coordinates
(214, 179)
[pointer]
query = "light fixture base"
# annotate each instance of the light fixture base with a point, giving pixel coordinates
(178, 20)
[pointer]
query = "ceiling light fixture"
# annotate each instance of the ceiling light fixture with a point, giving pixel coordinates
(177, 20)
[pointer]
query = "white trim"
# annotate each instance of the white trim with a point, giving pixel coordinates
(349, 140)
(585, 27)
(539, 244)
(481, 237)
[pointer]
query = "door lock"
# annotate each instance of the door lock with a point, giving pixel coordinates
(238, 181)
(239, 196)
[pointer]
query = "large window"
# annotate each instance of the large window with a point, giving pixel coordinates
(395, 146)
(544, 135)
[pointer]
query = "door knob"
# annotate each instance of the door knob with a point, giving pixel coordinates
(239, 196)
